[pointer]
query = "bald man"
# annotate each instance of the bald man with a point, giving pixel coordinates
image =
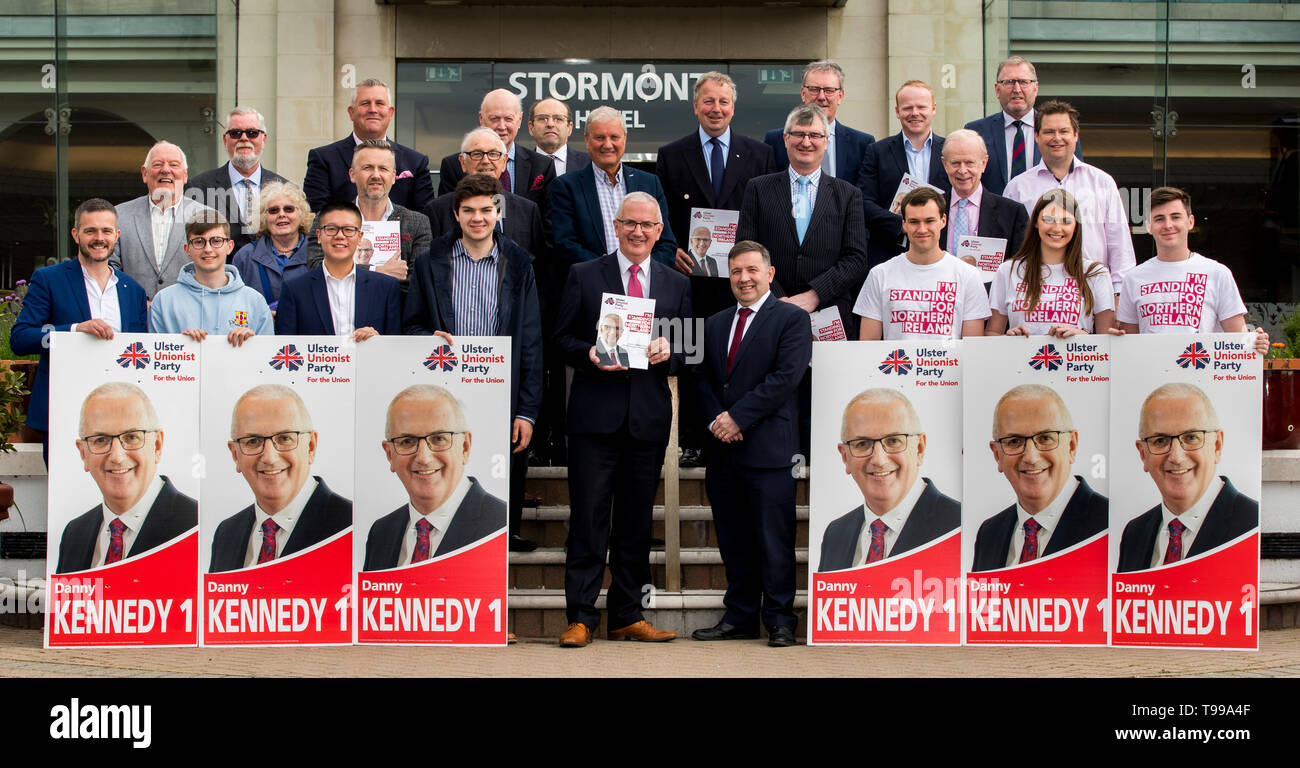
(527, 173)
(882, 446)
(701, 241)
(120, 442)
(1180, 442)
(427, 443)
(273, 445)
(1034, 444)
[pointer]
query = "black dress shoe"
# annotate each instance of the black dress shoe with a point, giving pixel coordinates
(780, 637)
(724, 631)
(520, 544)
(691, 457)
(657, 544)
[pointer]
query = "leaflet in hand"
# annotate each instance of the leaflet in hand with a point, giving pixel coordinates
(907, 185)
(383, 239)
(623, 330)
(712, 233)
(827, 325)
(987, 253)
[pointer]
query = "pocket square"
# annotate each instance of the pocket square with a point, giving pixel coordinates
(537, 183)
(405, 175)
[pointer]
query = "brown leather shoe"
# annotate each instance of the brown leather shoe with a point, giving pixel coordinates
(577, 635)
(641, 631)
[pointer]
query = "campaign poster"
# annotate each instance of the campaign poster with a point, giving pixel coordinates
(276, 521)
(433, 458)
(1035, 515)
(827, 325)
(381, 241)
(986, 253)
(712, 234)
(123, 489)
(623, 330)
(1185, 460)
(885, 521)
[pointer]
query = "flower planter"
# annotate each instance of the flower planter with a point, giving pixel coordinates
(1281, 404)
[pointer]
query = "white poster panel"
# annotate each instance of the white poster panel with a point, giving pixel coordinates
(711, 236)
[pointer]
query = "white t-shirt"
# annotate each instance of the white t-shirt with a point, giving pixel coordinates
(1059, 300)
(929, 301)
(1194, 295)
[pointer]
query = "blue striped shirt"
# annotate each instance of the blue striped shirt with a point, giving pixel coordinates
(474, 288)
(610, 195)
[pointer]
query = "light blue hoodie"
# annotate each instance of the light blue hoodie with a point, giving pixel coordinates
(187, 304)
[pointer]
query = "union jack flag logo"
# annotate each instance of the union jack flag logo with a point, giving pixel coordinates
(442, 359)
(1048, 357)
(288, 358)
(897, 362)
(134, 354)
(1194, 356)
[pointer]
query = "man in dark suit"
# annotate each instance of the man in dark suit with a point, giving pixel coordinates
(608, 350)
(914, 151)
(823, 85)
(583, 203)
(1180, 443)
(427, 443)
(882, 446)
(371, 111)
(972, 209)
(465, 272)
(1034, 444)
(74, 296)
(338, 297)
(618, 427)
(120, 442)
(233, 188)
(273, 445)
(526, 173)
(550, 123)
(755, 354)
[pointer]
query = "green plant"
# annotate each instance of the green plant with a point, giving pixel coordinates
(10, 307)
(12, 392)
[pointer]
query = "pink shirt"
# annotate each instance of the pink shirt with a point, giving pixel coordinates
(972, 216)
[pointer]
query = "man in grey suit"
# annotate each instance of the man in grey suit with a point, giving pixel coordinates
(233, 188)
(153, 225)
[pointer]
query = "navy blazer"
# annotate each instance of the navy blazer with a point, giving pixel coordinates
(430, 307)
(479, 515)
(576, 160)
(1232, 514)
(325, 514)
(1085, 516)
(999, 217)
(56, 296)
(883, 167)
(305, 305)
(759, 390)
(685, 177)
(205, 183)
(934, 515)
(327, 176)
(993, 130)
(601, 402)
(172, 514)
(850, 146)
(579, 229)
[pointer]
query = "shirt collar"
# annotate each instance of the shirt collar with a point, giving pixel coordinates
(756, 305)
(388, 210)
(356, 140)
(237, 178)
(458, 251)
(1028, 119)
(813, 178)
(624, 263)
(725, 138)
(440, 518)
(349, 276)
(1048, 516)
(975, 197)
(112, 277)
(561, 154)
(896, 518)
(603, 178)
(287, 517)
(1192, 518)
(134, 517)
(929, 142)
(156, 210)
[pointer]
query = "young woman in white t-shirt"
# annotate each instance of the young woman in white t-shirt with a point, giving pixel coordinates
(1048, 288)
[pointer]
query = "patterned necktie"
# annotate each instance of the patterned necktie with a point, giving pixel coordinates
(422, 530)
(960, 225)
(115, 530)
(828, 157)
(505, 180)
(877, 541)
(633, 284)
(745, 312)
(802, 207)
(247, 213)
(267, 553)
(1018, 150)
(1030, 549)
(716, 166)
(1174, 552)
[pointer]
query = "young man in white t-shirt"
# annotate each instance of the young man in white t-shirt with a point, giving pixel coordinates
(924, 293)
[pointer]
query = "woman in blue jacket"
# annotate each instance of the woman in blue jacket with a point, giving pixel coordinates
(280, 251)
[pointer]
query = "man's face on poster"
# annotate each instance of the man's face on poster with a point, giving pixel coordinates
(124, 471)
(883, 477)
(274, 475)
(430, 472)
(1036, 473)
(1181, 474)
(611, 327)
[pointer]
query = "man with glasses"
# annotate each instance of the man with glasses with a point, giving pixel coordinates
(1180, 442)
(882, 445)
(120, 443)
(273, 444)
(550, 123)
(1034, 443)
(233, 188)
(427, 443)
(608, 350)
(210, 296)
(525, 172)
(823, 85)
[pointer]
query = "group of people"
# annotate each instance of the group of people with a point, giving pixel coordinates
(523, 243)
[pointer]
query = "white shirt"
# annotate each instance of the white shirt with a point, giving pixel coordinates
(388, 211)
(162, 220)
(894, 521)
(237, 180)
(103, 303)
(1009, 129)
(439, 518)
(1191, 520)
(342, 295)
(133, 518)
(923, 301)
(560, 157)
(1048, 517)
(1194, 295)
(735, 318)
(286, 518)
(642, 276)
(1059, 300)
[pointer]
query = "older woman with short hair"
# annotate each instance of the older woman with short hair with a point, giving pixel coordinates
(280, 251)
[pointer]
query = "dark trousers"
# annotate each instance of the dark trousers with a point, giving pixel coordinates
(753, 513)
(612, 482)
(518, 476)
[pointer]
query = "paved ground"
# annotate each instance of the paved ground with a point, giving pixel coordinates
(21, 655)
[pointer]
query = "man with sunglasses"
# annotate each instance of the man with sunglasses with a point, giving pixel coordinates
(882, 445)
(427, 443)
(273, 444)
(1034, 443)
(120, 444)
(1180, 442)
(233, 187)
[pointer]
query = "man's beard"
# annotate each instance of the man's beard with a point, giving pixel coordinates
(246, 163)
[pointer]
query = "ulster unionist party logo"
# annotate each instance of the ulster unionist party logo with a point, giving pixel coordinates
(897, 362)
(441, 359)
(134, 355)
(1046, 358)
(1194, 356)
(287, 359)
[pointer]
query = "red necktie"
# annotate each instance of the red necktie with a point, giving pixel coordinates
(115, 530)
(267, 553)
(633, 284)
(877, 541)
(505, 180)
(1174, 552)
(745, 312)
(422, 529)
(1030, 549)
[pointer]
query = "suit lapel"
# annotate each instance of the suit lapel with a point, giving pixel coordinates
(505, 288)
(938, 176)
(747, 341)
(784, 191)
(613, 278)
(144, 231)
(1212, 532)
(997, 147)
(523, 169)
(820, 207)
(441, 269)
(594, 219)
(699, 172)
(731, 175)
(842, 150)
(77, 288)
(900, 156)
(321, 298)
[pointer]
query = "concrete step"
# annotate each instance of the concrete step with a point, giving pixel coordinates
(701, 569)
(548, 525)
(552, 485)
(541, 613)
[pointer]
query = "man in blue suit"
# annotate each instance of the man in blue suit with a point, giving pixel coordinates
(584, 203)
(84, 294)
(338, 298)
(755, 355)
(823, 85)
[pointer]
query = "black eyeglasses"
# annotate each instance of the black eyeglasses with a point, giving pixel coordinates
(216, 241)
(247, 133)
(862, 447)
(1009, 83)
(405, 445)
(478, 154)
(1191, 440)
(253, 445)
(131, 440)
(1014, 445)
(331, 230)
(817, 91)
(274, 209)
(801, 135)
